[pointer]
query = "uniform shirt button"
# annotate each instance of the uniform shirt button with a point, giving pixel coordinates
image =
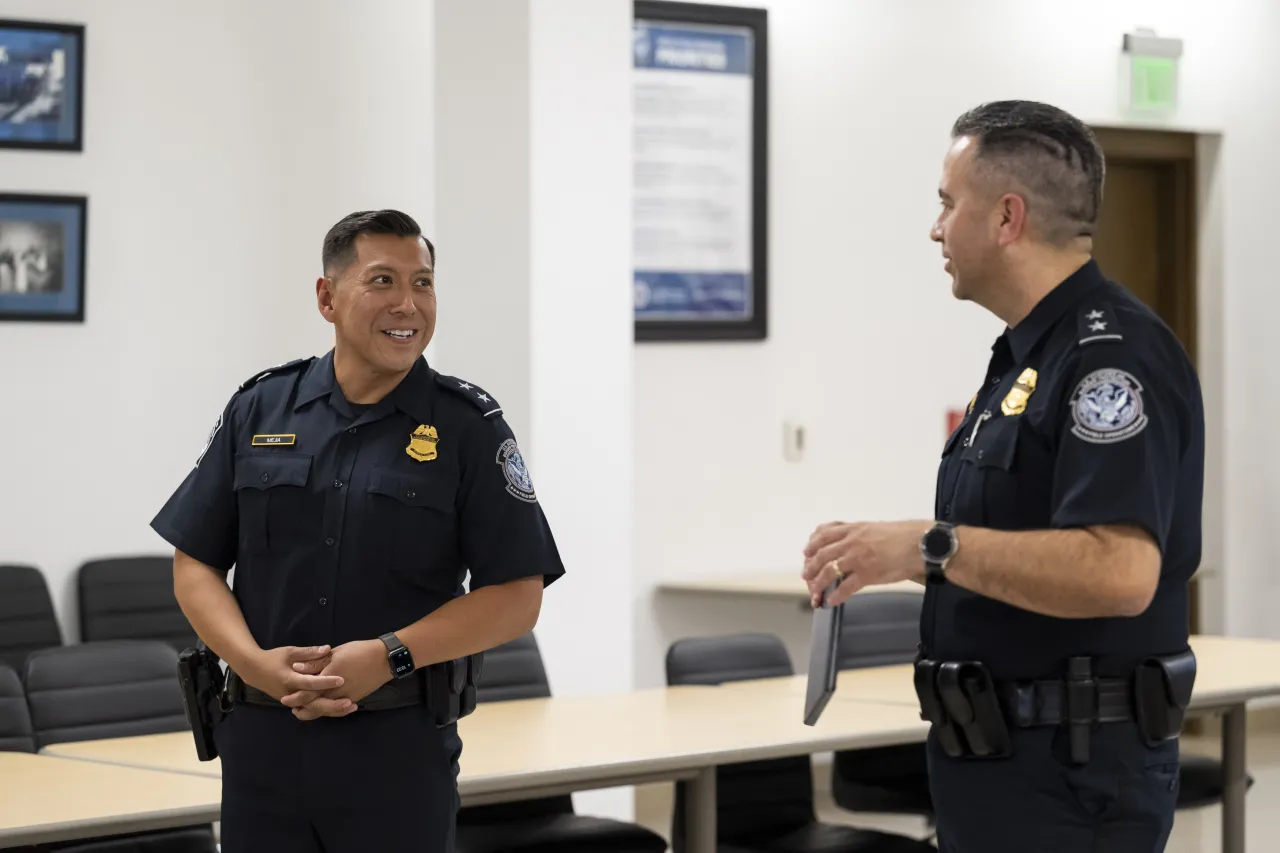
(980, 452)
(265, 477)
(946, 510)
(337, 484)
(329, 541)
(410, 494)
(995, 380)
(352, 431)
(323, 602)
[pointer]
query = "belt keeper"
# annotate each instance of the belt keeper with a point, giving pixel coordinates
(1026, 705)
(1082, 706)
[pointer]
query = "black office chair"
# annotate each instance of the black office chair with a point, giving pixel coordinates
(15, 719)
(131, 598)
(545, 824)
(27, 620)
(105, 690)
(764, 806)
(881, 629)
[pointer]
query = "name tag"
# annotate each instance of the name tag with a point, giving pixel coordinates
(273, 440)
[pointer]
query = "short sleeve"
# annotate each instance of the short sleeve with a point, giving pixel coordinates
(200, 518)
(1120, 444)
(504, 534)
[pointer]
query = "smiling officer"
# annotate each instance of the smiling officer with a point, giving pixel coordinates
(1055, 667)
(352, 493)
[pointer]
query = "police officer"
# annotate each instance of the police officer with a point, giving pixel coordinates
(352, 493)
(1054, 661)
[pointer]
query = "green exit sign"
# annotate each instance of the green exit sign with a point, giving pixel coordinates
(1152, 71)
(1153, 83)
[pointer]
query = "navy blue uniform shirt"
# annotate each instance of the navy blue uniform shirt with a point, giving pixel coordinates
(345, 522)
(1090, 414)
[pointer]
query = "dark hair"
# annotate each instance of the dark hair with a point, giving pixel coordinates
(1050, 155)
(340, 243)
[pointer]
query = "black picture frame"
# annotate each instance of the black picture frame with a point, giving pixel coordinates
(756, 326)
(31, 41)
(43, 255)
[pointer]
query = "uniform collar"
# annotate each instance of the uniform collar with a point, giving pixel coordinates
(412, 396)
(1049, 310)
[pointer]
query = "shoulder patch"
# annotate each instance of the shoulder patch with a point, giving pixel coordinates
(473, 394)
(1098, 323)
(279, 368)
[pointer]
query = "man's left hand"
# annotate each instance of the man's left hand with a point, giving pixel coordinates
(364, 668)
(869, 553)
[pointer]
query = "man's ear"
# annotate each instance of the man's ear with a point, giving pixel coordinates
(324, 297)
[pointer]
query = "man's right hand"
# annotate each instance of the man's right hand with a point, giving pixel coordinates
(273, 673)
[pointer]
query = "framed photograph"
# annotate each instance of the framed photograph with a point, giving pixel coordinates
(41, 86)
(700, 172)
(42, 257)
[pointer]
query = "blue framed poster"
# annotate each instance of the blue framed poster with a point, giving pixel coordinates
(700, 171)
(42, 257)
(41, 86)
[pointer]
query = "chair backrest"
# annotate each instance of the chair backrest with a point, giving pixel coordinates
(753, 799)
(27, 621)
(879, 628)
(512, 671)
(15, 719)
(115, 688)
(131, 598)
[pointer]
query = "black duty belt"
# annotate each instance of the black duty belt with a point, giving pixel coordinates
(401, 693)
(972, 713)
(1045, 703)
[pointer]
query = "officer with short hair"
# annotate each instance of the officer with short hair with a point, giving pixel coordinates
(1054, 663)
(352, 493)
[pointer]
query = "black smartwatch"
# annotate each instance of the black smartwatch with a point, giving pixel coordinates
(397, 655)
(937, 547)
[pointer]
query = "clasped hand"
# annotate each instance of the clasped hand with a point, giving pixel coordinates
(319, 681)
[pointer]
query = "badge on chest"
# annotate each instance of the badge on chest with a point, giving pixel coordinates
(422, 444)
(1015, 402)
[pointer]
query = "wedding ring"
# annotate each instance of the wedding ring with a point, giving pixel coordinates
(835, 566)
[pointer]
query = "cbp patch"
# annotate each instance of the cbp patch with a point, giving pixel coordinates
(209, 441)
(519, 483)
(1107, 407)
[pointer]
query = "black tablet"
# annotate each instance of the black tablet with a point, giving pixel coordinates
(822, 657)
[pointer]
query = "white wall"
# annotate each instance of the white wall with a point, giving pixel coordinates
(868, 349)
(221, 141)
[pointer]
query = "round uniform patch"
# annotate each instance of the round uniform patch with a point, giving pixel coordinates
(1107, 407)
(519, 483)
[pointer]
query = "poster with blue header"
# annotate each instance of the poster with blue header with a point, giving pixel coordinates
(698, 177)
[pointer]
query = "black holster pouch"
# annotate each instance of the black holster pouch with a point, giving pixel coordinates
(451, 688)
(960, 700)
(201, 681)
(1161, 693)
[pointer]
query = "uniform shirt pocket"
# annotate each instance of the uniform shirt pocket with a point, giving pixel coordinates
(270, 492)
(413, 520)
(989, 493)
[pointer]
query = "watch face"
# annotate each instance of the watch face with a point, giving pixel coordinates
(401, 662)
(937, 544)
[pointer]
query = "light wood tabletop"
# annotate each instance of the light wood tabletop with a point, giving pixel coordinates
(777, 585)
(45, 799)
(578, 742)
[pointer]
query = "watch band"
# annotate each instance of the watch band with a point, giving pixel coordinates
(391, 641)
(935, 566)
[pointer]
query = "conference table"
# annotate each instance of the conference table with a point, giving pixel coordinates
(528, 748)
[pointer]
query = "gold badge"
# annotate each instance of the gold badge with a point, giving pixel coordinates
(273, 440)
(1015, 402)
(422, 444)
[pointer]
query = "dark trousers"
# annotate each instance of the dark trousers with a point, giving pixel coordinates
(1037, 800)
(375, 780)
